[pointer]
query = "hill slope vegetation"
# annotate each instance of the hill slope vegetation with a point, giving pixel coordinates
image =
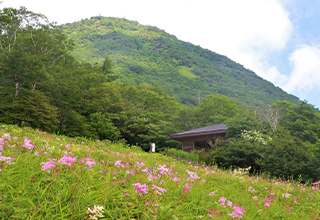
(146, 54)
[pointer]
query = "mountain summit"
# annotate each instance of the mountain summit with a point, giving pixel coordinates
(147, 54)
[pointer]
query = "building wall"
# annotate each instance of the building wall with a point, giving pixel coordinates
(188, 143)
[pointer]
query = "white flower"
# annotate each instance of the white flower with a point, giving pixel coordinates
(95, 212)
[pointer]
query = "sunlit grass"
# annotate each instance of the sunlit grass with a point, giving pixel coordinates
(186, 72)
(183, 154)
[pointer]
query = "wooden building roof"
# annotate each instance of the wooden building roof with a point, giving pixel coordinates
(213, 129)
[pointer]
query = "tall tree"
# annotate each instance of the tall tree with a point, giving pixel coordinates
(216, 109)
(29, 45)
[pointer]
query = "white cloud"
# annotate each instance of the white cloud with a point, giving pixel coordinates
(305, 76)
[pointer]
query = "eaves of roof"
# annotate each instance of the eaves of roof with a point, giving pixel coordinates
(213, 129)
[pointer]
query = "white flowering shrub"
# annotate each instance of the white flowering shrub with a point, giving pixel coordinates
(255, 136)
(241, 172)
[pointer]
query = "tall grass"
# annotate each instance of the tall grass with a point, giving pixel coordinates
(45, 176)
(193, 156)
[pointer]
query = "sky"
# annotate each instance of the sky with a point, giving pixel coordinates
(277, 39)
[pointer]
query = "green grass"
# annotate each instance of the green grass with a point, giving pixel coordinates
(182, 154)
(186, 72)
(29, 191)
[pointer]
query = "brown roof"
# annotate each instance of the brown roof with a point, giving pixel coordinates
(213, 129)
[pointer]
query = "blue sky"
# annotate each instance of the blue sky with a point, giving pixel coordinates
(278, 39)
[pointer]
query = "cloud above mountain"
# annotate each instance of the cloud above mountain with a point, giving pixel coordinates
(305, 76)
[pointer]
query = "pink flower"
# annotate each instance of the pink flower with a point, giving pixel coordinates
(141, 188)
(269, 200)
(126, 194)
(237, 212)
(222, 200)
(27, 143)
(288, 208)
(118, 163)
(156, 204)
(130, 172)
(7, 136)
(7, 159)
(90, 162)
(159, 190)
(56, 170)
(251, 189)
(229, 203)
(315, 183)
(212, 193)
(163, 170)
(36, 153)
(286, 195)
(140, 164)
(187, 189)
(147, 203)
(46, 166)
(145, 170)
(192, 176)
(150, 177)
(175, 179)
(66, 160)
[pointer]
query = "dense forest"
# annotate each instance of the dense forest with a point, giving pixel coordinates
(46, 84)
(146, 54)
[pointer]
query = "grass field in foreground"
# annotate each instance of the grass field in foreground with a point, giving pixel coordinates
(44, 176)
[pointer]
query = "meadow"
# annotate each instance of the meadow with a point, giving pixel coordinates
(46, 176)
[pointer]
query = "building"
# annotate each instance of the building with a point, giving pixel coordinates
(199, 137)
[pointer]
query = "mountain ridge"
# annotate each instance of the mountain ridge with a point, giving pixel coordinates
(147, 54)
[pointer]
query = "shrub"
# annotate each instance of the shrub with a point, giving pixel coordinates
(33, 109)
(104, 127)
(239, 153)
(207, 157)
(76, 125)
(287, 156)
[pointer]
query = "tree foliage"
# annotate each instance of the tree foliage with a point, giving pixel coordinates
(29, 45)
(288, 157)
(32, 109)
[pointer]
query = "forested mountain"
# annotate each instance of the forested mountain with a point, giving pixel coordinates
(146, 54)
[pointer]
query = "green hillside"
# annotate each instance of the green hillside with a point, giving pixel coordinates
(146, 54)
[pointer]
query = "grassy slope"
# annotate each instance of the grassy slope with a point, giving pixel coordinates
(148, 54)
(29, 192)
